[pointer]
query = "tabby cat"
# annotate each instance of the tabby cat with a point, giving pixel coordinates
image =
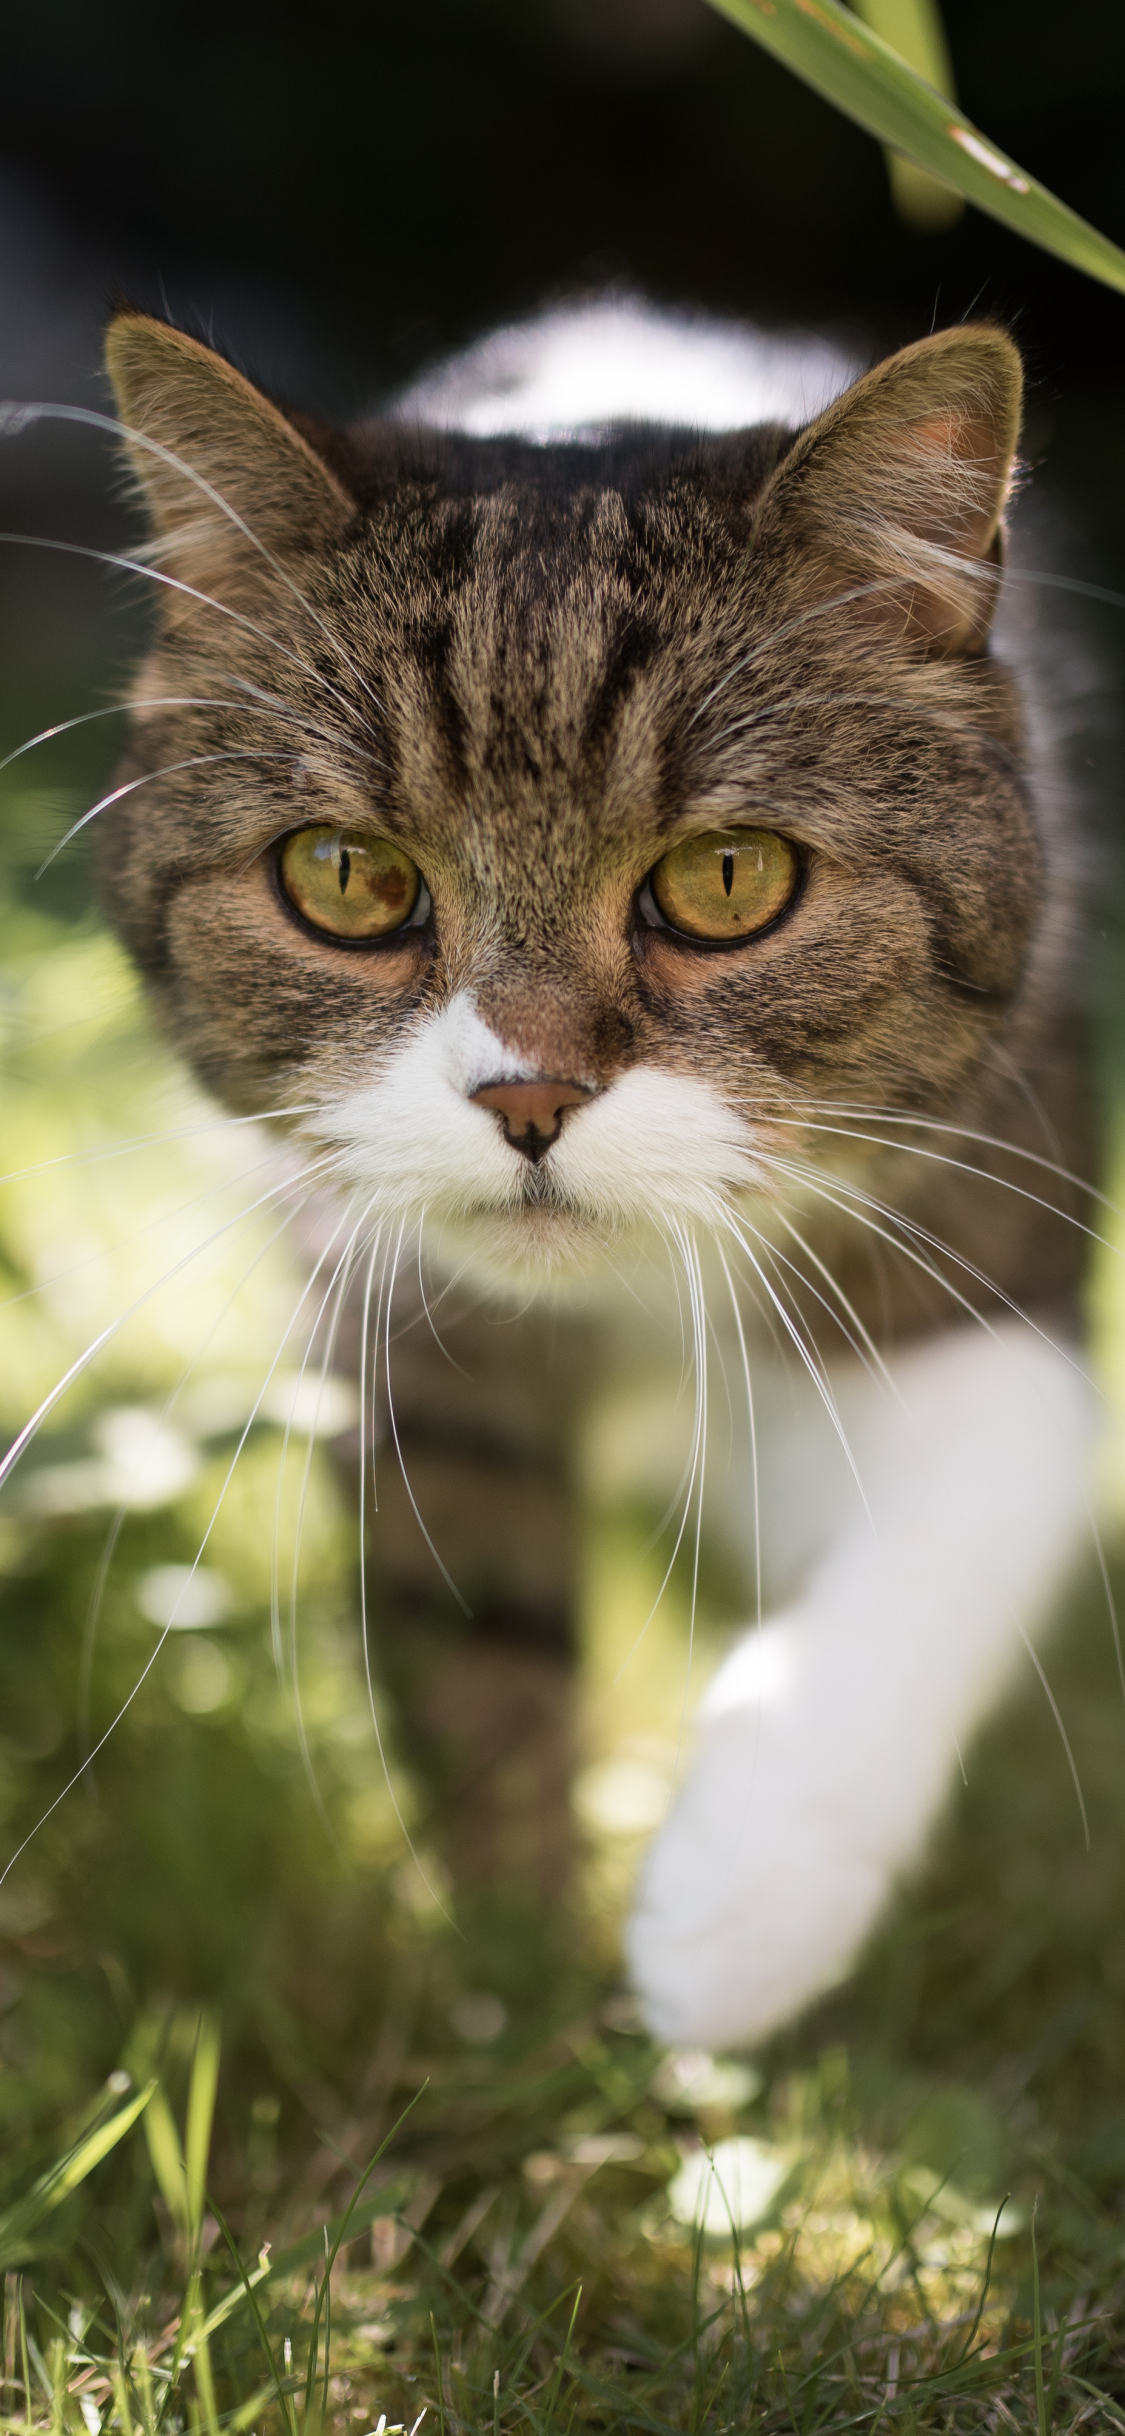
(614, 856)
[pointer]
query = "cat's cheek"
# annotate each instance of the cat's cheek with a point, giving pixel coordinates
(248, 986)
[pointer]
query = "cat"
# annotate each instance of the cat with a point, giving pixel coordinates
(614, 854)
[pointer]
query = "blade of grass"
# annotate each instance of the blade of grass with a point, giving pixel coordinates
(345, 2220)
(914, 29)
(24, 2361)
(438, 2378)
(20, 2220)
(167, 2160)
(851, 66)
(972, 2334)
(553, 2396)
(284, 2397)
(1037, 2337)
(200, 2116)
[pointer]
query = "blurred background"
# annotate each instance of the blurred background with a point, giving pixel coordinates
(339, 200)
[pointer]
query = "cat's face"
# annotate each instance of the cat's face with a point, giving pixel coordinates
(557, 829)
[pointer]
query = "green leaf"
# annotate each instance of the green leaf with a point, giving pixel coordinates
(167, 2160)
(914, 29)
(200, 2115)
(841, 58)
(18, 2222)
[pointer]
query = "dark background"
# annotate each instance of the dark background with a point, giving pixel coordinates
(341, 197)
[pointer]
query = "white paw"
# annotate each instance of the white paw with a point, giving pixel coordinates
(777, 1859)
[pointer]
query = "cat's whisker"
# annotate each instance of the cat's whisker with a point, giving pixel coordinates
(337, 1287)
(744, 1356)
(163, 1218)
(218, 1123)
(802, 1109)
(18, 416)
(428, 1312)
(859, 1204)
(1056, 1713)
(863, 1214)
(171, 769)
(93, 1612)
(981, 1175)
(370, 1326)
(694, 1274)
(340, 1270)
(807, 1354)
(446, 1576)
(169, 1625)
(1016, 1620)
(675, 1237)
(127, 709)
(105, 1336)
(851, 1327)
(133, 565)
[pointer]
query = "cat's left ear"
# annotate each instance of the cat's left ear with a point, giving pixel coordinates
(892, 502)
(225, 475)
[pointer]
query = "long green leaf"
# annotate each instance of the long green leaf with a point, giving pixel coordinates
(914, 29)
(19, 2221)
(851, 66)
(200, 2115)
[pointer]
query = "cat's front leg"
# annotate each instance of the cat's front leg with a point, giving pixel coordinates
(829, 1737)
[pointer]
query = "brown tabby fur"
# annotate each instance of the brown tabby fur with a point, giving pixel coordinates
(532, 666)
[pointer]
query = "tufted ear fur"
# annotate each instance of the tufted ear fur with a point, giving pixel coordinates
(226, 477)
(897, 493)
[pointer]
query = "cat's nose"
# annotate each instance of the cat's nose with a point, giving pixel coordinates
(532, 1113)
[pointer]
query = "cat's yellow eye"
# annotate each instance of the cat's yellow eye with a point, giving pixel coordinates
(352, 886)
(727, 883)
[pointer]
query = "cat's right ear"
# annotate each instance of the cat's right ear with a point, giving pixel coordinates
(229, 482)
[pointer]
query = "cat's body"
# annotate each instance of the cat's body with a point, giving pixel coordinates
(552, 676)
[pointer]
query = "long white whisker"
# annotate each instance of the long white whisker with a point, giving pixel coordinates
(164, 1218)
(816, 1372)
(149, 1141)
(858, 1204)
(443, 1569)
(1056, 1713)
(105, 1335)
(17, 416)
(193, 1569)
(983, 1175)
(89, 1637)
(173, 583)
(338, 1284)
(688, 1475)
(171, 769)
(369, 1342)
(699, 1330)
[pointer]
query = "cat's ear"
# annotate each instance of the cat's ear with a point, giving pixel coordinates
(228, 480)
(892, 502)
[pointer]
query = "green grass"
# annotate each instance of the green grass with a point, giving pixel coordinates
(232, 1919)
(511, 2261)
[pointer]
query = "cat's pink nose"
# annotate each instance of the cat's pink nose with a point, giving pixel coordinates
(531, 1113)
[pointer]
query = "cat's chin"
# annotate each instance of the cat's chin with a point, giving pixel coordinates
(535, 1249)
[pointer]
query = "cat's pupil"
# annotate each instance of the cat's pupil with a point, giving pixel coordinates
(728, 872)
(345, 868)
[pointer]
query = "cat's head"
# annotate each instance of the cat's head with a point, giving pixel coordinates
(555, 827)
